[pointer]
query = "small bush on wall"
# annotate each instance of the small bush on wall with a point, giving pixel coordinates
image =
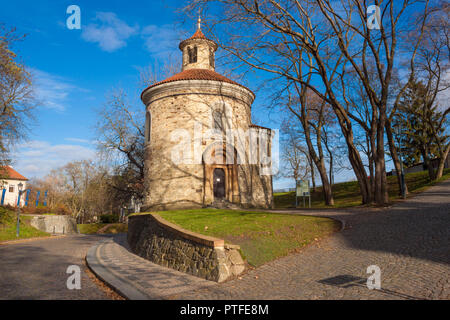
(59, 209)
(109, 218)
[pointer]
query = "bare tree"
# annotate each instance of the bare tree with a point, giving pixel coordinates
(81, 187)
(314, 116)
(121, 136)
(17, 100)
(330, 39)
(294, 156)
(149, 75)
(120, 131)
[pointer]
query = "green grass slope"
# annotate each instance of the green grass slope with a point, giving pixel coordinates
(8, 220)
(262, 236)
(347, 194)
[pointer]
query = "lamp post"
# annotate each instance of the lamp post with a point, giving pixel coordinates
(20, 186)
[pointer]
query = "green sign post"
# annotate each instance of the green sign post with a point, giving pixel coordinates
(303, 191)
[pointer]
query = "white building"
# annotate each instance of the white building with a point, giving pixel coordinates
(11, 181)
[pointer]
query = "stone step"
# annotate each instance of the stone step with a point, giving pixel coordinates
(224, 204)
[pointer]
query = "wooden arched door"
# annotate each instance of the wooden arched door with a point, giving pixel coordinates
(219, 183)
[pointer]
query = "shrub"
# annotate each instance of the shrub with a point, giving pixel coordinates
(109, 218)
(31, 209)
(10, 207)
(61, 209)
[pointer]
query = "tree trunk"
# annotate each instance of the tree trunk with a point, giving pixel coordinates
(320, 165)
(313, 175)
(313, 178)
(372, 152)
(381, 191)
(331, 170)
(427, 163)
(355, 161)
(442, 161)
(395, 157)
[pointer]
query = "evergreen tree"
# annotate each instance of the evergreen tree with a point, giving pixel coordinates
(420, 130)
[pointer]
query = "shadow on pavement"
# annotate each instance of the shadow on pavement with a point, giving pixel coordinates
(347, 281)
(418, 227)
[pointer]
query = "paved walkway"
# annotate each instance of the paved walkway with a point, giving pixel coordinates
(134, 277)
(410, 242)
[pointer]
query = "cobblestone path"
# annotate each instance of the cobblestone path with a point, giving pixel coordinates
(409, 241)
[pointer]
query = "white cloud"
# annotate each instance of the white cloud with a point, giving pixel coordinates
(37, 158)
(111, 33)
(160, 40)
(51, 90)
(78, 140)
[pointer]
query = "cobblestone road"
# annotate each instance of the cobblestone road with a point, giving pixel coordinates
(410, 242)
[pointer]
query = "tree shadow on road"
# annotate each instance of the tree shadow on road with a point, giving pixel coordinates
(347, 281)
(418, 227)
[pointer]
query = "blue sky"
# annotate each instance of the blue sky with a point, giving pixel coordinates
(74, 69)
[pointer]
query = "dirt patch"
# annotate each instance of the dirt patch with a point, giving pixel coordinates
(110, 293)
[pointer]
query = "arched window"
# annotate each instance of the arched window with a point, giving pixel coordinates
(148, 126)
(192, 54)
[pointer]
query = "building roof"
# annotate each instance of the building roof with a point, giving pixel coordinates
(196, 74)
(198, 35)
(259, 127)
(7, 172)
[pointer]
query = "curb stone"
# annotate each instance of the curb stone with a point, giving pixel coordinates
(123, 287)
(19, 241)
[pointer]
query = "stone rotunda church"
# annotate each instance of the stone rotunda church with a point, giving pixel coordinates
(201, 146)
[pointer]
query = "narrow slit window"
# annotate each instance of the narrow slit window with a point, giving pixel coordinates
(218, 120)
(148, 126)
(211, 57)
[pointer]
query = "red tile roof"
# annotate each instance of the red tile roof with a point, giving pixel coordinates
(6, 172)
(197, 74)
(198, 35)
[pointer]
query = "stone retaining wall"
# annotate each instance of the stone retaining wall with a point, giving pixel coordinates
(55, 224)
(166, 244)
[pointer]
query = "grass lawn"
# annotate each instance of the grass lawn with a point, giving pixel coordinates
(347, 194)
(262, 236)
(8, 221)
(103, 228)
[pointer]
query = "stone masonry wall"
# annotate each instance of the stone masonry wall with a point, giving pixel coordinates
(166, 244)
(183, 106)
(55, 224)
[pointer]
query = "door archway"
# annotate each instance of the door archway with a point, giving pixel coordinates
(219, 184)
(220, 161)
